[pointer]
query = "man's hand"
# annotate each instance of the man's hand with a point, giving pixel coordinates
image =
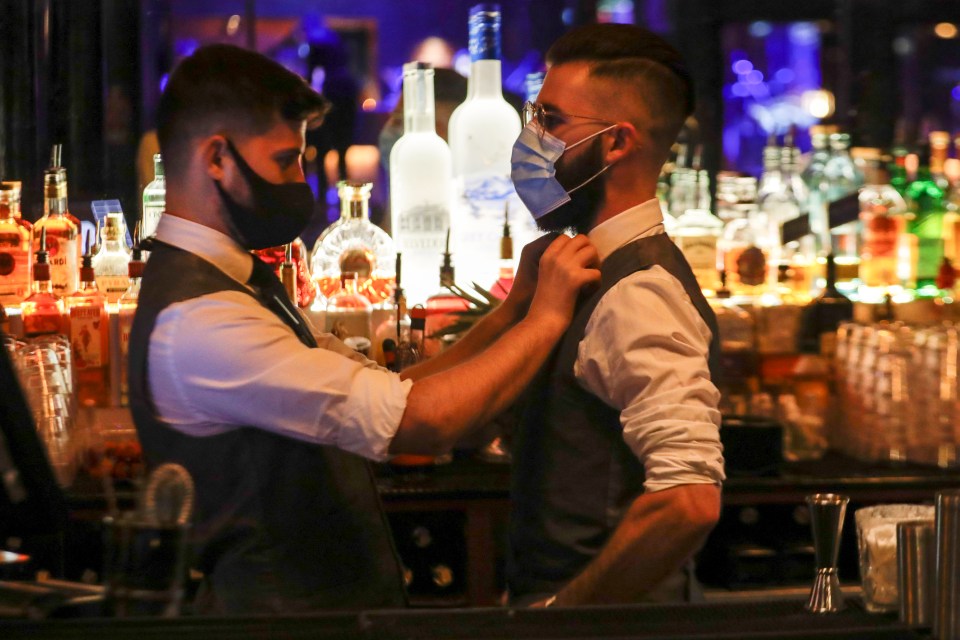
(525, 279)
(565, 267)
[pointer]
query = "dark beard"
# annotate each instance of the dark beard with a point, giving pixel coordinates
(580, 213)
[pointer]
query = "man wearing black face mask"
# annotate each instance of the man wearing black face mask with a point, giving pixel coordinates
(618, 458)
(274, 420)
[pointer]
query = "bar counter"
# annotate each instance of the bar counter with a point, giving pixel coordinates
(754, 619)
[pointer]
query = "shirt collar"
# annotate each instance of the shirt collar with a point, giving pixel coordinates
(644, 219)
(218, 249)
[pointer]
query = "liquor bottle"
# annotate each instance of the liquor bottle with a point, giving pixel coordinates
(925, 199)
(501, 288)
(127, 308)
(482, 131)
(696, 233)
(62, 229)
(288, 273)
(780, 201)
(86, 311)
(799, 256)
(842, 177)
(354, 244)
(348, 312)
(882, 214)
(441, 306)
(14, 247)
(154, 199)
(421, 187)
(683, 184)
(770, 178)
(42, 311)
(813, 177)
(306, 287)
(110, 263)
(821, 317)
(390, 321)
(745, 244)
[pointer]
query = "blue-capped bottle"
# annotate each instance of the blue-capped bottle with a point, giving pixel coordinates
(482, 131)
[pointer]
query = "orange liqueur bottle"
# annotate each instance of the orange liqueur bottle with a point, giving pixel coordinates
(89, 338)
(63, 236)
(42, 311)
(14, 247)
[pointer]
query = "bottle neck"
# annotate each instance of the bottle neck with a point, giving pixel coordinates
(419, 111)
(485, 80)
(56, 206)
(41, 279)
(9, 211)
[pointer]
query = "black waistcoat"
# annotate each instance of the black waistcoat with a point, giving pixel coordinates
(280, 525)
(574, 475)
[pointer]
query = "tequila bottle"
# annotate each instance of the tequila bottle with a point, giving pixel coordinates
(86, 311)
(482, 131)
(348, 312)
(354, 244)
(421, 188)
(42, 311)
(62, 230)
(14, 247)
(154, 199)
(110, 263)
(127, 308)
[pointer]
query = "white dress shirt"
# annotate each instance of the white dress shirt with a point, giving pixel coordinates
(645, 353)
(223, 360)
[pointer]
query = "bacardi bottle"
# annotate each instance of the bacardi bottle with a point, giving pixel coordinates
(62, 230)
(86, 310)
(421, 190)
(14, 247)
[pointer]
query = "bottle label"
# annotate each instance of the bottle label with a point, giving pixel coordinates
(488, 191)
(87, 325)
(700, 251)
(752, 266)
(14, 275)
(113, 286)
(63, 255)
(423, 228)
(151, 218)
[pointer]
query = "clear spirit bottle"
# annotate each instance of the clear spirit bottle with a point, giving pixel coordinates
(62, 230)
(110, 263)
(127, 308)
(354, 244)
(813, 176)
(421, 187)
(482, 131)
(42, 311)
(154, 199)
(86, 312)
(14, 247)
(842, 177)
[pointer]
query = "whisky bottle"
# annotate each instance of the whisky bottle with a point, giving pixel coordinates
(86, 310)
(42, 311)
(882, 213)
(127, 308)
(62, 229)
(14, 247)
(110, 265)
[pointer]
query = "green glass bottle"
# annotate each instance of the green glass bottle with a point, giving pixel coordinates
(925, 197)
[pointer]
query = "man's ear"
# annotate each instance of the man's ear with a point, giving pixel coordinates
(625, 141)
(212, 150)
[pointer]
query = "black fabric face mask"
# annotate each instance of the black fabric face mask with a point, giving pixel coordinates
(277, 215)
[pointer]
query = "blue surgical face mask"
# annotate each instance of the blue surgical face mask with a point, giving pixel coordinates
(533, 169)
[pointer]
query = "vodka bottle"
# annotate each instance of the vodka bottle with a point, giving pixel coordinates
(154, 199)
(42, 311)
(348, 312)
(127, 308)
(14, 247)
(86, 311)
(482, 132)
(420, 184)
(110, 263)
(354, 244)
(62, 229)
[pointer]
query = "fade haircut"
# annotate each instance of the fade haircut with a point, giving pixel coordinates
(225, 88)
(644, 61)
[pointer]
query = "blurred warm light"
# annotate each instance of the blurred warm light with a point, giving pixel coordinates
(818, 103)
(945, 30)
(435, 51)
(951, 169)
(310, 153)
(369, 105)
(363, 162)
(233, 25)
(911, 163)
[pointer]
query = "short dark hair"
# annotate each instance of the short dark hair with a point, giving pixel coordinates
(635, 55)
(223, 87)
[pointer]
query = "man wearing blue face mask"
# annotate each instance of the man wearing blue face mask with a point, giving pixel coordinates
(275, 421)
(618, 459)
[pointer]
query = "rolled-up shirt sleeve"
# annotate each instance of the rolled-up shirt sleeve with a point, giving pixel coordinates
(223, 361)
(645, 353)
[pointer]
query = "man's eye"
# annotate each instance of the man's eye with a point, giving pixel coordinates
(551, 120)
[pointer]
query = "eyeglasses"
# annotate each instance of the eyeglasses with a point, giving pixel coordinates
(547, 119)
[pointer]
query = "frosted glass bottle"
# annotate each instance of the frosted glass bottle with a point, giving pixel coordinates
(482, 132)
(421, 187)
(110, 263)
(154, 199)
(354, 244)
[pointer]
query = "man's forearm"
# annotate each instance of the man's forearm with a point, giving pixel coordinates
(488, 329)
(659, 533)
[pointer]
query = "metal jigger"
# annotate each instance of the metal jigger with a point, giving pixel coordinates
(826, 518)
